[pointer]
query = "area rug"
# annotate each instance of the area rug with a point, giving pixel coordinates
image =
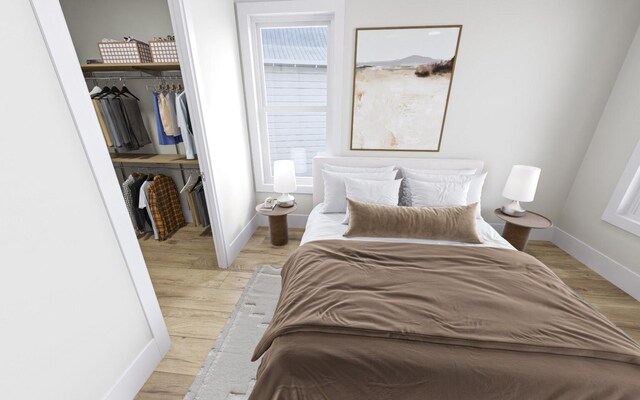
(228, 373)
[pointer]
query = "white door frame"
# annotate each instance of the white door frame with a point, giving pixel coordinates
(191, 79)
(65, 62)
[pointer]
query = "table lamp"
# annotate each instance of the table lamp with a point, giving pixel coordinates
(521, 186)
(284, 181)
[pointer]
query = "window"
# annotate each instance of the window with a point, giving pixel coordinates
(623, 210)
(289, 50)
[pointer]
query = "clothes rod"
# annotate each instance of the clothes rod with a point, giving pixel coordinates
(126, 78)
(154, 167)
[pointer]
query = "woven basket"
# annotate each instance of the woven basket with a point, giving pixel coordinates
(164, 51)
(125, 52)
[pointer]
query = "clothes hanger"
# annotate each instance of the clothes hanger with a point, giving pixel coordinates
(125, 91)
(96, 89)
(105, 90)
(189, 180)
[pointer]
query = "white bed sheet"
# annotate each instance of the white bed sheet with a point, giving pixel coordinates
(330, 227)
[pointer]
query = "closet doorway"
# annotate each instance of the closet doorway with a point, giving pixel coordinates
(129, 59)
(177, 260)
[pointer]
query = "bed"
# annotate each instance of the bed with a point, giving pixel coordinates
(381, 318)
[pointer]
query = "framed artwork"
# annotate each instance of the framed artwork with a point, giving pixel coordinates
(401, 85)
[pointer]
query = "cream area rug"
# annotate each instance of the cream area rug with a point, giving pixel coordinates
(228, 373)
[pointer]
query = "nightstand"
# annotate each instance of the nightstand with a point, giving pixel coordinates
(278, 227)
(516, 229)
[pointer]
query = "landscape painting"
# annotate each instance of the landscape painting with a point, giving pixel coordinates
(401, 87)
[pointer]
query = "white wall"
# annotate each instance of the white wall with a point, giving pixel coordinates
(615, 138)
(531, 80)
(71, 320)
(213, 28)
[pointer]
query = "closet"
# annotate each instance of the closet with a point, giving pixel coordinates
(129, 61)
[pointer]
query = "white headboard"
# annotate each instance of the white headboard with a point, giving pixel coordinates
(421, 163)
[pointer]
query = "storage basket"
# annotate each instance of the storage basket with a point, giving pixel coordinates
(125, 52)
(164, 51)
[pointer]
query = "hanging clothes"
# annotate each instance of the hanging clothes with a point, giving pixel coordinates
(193, 206)
(120, 123)
(171, 100)
(163, 138)
(201, 201)
(165, 114)
(184, 123)
(143, 203)
(120, 119)
(165, 206)
(102, 122)
(128, 199)
(134, 121)
(110, 120)
(143, 221)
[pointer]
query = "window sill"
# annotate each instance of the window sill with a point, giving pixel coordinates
(623, 222)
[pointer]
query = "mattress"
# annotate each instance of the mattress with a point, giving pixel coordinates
(330, 227)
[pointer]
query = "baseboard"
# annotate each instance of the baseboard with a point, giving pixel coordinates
(242, 239)
(135, 376)
(536, 234)
(294, 220)
(611, 270)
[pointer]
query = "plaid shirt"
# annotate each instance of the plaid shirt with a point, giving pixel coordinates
(165, 206)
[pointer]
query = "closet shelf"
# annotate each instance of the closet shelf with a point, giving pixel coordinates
(152, 159)
(144, 67)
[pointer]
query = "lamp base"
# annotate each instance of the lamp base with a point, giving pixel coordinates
(513, 209)
(286, 200)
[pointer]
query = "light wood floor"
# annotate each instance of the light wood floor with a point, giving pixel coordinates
(196, 297)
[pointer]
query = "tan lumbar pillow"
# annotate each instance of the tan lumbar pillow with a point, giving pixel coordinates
(456, 224)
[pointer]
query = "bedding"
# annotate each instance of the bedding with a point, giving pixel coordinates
(466, 171)
(437, 223)
(438, 194)
(335, 195)
(371, 320)
(474, 195)
(322, 226)
(376, 192)
(340, 168)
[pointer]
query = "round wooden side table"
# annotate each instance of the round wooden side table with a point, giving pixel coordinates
(516, 229)
(278, 227)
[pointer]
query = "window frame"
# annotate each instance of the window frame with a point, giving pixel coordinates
(252, 16)
(626, 194)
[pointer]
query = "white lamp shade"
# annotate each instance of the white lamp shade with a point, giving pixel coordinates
(522, 183)
(284, 176)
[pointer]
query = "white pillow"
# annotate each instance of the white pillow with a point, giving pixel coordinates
(475, 187)
(466, 171)
(335, 192)
(340, 168)
(438, 194)
(376, 192)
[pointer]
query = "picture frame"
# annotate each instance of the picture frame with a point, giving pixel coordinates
(401, 86)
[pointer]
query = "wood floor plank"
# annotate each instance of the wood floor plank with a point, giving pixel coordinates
(186, 355)
(162, 275)
(165, 386)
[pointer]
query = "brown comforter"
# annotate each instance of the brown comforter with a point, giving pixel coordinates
(371, 320)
